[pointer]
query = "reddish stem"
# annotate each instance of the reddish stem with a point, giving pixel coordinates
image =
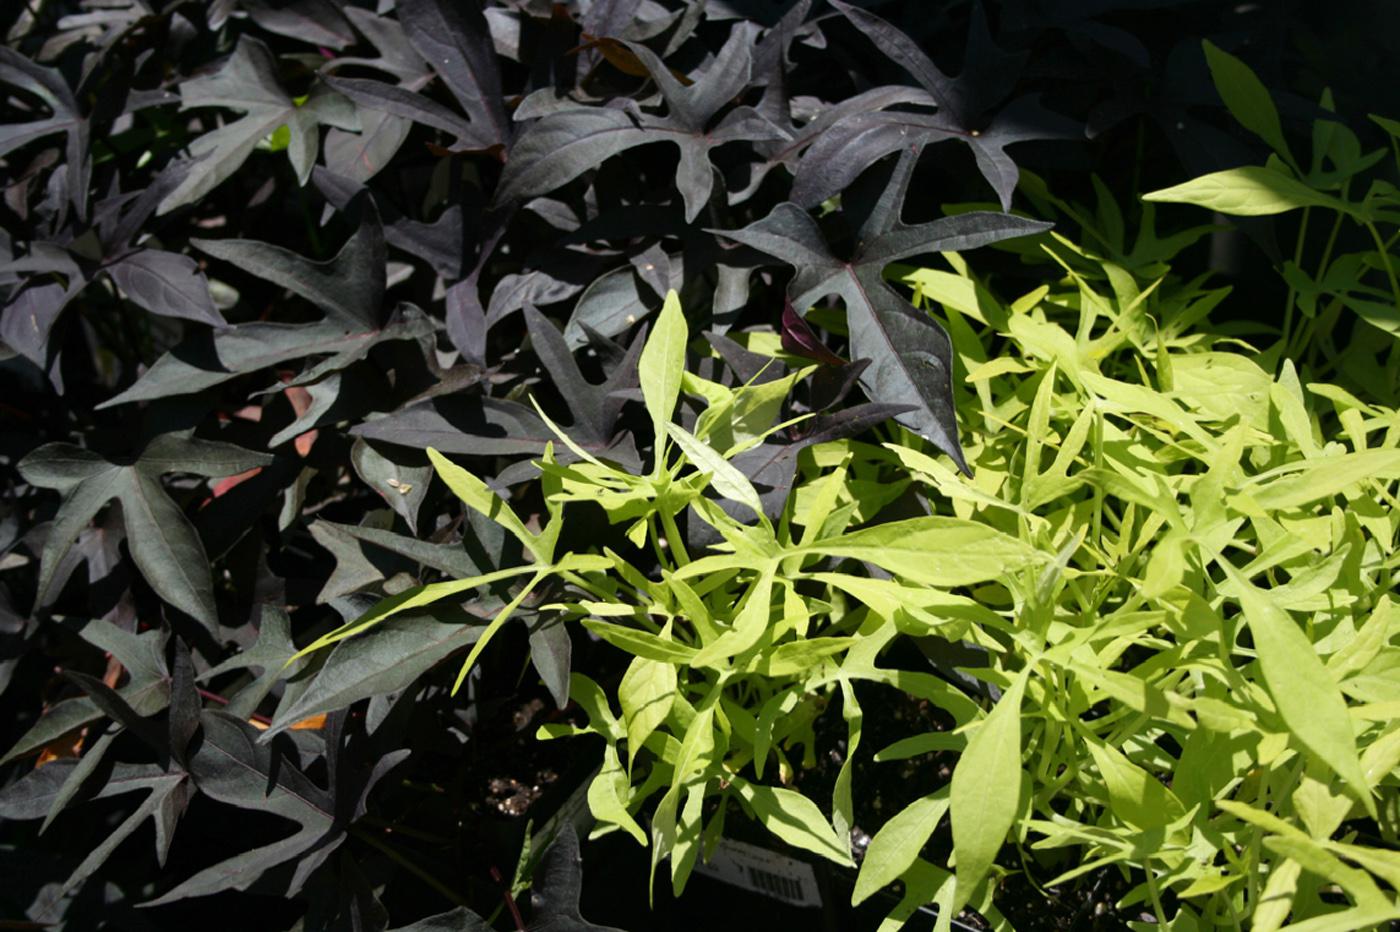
(515, 916)
(215, 697)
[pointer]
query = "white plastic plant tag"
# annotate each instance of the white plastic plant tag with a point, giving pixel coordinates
(772, 875)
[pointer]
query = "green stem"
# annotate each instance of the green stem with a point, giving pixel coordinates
(1292, 291)
(673, 537)
(1234, 915)
(1097, 440)
(442, 888)
(586, 586)
(1394, 238)
(1385, 261)
(496, 624)
(1156, 896)
(655, 539)
(1327, 250)
(1304, 334)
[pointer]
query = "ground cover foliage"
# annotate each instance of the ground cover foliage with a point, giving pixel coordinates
(834, 426)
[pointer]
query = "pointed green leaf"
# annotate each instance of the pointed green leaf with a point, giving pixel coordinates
(1325, 477)
(642, 643)
(1247, 98)
(646, 694)
(1307, 697)
(795, 819)
(986, 791)
(896, 847)
(933, 550)
(662, 366)
(1249, 191)
(478, 496)
(607, 796)
(1134, 795)
(724, 477)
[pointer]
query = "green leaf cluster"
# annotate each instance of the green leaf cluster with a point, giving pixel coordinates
(1199, 688)
(1175, 564)
(1354, 187)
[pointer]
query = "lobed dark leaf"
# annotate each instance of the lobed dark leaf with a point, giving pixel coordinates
(248, 82)
(455, 40)
(477, 426)
(348, 288)
(551, 653)
(385, 659)
(272, 652)
(315, 21)
(859, 139)
(163, 543)
(409, 105)
(50, 87)
(166, 283)
(28, 319)
(231, 766)
(910, 354)
(595, 407)
(554, 895)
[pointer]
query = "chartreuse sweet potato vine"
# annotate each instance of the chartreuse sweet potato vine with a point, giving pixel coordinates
(1175, 565)
(1206, 675)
